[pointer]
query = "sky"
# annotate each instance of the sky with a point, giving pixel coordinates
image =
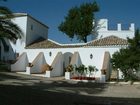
(52, 13)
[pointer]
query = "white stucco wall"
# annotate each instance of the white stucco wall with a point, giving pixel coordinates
(35, 30)
(57, 65)
(21, 63)
(20, 43)
(97, 52)
(25, 22)
(37, 63)
(103, 30)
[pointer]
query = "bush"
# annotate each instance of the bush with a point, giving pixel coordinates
(46, 67)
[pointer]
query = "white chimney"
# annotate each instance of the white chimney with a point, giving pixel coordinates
(119, 26)
(132, 27)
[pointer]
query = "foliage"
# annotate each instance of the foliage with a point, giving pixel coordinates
(6, 47)
(48, 67)
(69, 68)
(79, 21)
(8, 29)
(91, 69)
(128, 59)
(81, 69)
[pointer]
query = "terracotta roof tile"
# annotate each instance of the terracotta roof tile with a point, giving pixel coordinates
(50, 44)
(107, 41)
(43, 44)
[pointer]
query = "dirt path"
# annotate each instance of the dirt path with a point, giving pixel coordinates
(18, 89)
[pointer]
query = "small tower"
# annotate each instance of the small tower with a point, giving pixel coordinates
(132, 27)
(119, 27)
(103, 24)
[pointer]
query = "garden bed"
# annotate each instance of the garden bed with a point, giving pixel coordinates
(83, 78)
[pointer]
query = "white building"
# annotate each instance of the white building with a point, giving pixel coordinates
(37, 49)
(32, 30)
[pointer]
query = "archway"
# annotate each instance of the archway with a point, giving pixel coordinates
(67, 59)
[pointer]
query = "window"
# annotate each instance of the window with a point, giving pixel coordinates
(91, 56)
(50, 53)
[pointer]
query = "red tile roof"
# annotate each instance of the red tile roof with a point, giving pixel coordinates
(107, 41)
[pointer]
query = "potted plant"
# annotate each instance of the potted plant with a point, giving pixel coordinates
(81, 69)
(28, 68)
(91, 69)
(68, 73)
(46, 68)
(103, 76)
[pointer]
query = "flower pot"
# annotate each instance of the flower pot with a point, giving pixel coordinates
(28, 70)
(68, 75)
(48, 74)
(103, 78)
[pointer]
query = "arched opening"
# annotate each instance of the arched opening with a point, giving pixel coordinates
(67, 59)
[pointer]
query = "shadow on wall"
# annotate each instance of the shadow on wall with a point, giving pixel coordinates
(76, 59)
(57, 65)
(106, 67)
(37, 63)
(21, 63)
(61, 61)
(6, 51)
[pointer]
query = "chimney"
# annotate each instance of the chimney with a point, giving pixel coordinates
(132, 27)
(119, 26)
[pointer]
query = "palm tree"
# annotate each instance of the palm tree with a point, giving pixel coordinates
(8, 29)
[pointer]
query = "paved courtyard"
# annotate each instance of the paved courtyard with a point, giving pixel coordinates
(19, 89)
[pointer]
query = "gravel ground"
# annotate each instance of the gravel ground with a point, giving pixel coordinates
(19, 89)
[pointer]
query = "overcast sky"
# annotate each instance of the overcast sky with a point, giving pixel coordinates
(52, 13)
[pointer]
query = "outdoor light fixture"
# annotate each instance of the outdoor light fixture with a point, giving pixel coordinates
(50, 53)
(91, 56)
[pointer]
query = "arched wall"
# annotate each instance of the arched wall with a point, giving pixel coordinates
(97, 52)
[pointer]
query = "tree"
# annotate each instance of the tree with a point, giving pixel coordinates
(8, 29)
(79, 21)
(128, 59)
